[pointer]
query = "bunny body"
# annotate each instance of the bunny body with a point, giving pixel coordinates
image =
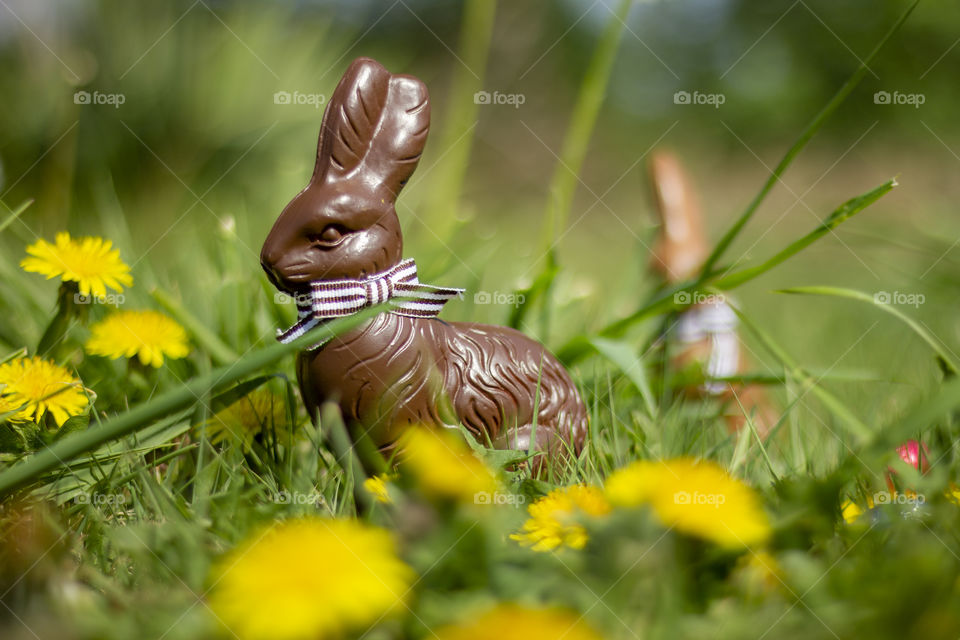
(395, 371)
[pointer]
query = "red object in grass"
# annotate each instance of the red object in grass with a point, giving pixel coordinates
(910, 452)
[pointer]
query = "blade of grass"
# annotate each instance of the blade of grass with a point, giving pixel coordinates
(860, 431)
(457, 135)
(925, 412)
(526, 298)
(808, 133)
(668, 300)
(840, 215)
(14, 214)
(184, 396)
(755, 435)
(593, 90)
(622, 355)
(851, 294)
(566, 172)
(346, 454)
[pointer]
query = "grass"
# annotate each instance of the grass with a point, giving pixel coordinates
(111, 524)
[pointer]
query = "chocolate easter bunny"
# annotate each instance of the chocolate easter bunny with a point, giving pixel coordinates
(705, 333)
(337, 247)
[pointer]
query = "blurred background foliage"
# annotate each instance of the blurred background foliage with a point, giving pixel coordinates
(200, 150)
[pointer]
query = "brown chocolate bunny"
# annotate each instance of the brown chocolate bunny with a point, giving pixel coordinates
(706, 333)
(398, 370)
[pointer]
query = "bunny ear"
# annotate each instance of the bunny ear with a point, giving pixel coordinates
(681, 246)
(676, 199)
(374, 128)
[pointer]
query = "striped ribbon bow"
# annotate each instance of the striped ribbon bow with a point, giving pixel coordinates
(398, 285)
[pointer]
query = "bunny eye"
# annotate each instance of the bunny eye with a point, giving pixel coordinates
(331, 235)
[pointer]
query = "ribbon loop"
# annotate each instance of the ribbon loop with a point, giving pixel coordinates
(399, 285)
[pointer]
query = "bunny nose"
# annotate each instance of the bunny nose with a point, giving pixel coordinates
(268, 262)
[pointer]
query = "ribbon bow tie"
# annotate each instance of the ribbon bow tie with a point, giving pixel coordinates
(398, 285)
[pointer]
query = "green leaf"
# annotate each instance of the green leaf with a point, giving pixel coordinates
(625, 358)
(73, 424)
(498, 459)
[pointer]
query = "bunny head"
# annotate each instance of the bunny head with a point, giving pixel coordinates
(343, 224)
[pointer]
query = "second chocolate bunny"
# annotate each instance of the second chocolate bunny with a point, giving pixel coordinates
(338, 246)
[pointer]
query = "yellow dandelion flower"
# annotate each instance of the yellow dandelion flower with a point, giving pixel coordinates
(513, 622)
(34, 386)
(259, 411)
(149, 335)
(9, 409)
(698, 498)
(90, 262)
(443, 466)
(554, 518)
(308, 579)
(377, 487)
(850, 511)
(953, 493)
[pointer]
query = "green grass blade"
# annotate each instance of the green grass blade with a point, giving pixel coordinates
(578, 349)
(860, 431)
(566, 172)
(538, 289)
(184, 396)
(623, 356)
(14, 214)
(458, 133)
(808, 133)
(851, 294)
(593, 90)
(840, 215)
